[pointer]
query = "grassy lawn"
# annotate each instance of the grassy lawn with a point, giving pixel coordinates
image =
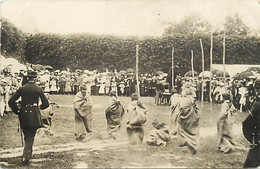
(123, 155)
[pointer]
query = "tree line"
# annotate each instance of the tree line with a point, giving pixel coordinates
(101, 52)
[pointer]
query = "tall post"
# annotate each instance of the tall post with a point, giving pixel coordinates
(1, 39)
(202, 62)
(192, 67)
(136, 67)
(224, 60)
(173, 68)
(211, 61)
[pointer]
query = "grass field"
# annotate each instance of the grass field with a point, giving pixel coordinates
(123, 155)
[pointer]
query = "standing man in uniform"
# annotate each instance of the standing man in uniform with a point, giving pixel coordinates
(251, 131)
(29, 114)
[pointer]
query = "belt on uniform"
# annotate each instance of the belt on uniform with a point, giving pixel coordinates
(31, 105)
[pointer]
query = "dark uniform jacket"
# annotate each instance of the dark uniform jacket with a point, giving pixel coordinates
(29, 114)
(251, 131)
(252, 123)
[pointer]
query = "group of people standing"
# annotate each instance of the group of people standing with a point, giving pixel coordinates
(184, 124)
(98, 83)
(242, 92)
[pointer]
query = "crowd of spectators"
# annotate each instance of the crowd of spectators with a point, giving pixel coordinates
(124, 83)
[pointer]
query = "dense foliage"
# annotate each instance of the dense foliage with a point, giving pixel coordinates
(13, 40)
(99, 52)
(87, 51)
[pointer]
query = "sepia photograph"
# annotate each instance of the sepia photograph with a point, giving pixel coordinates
(130, 83)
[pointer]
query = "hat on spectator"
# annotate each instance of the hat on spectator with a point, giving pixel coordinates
(134, 96)
(112, 93)
(83, 86)
(187, 92)
(174, 91)
(226, 96)
(32, 73)
(3, 80)
(7, 70)
(257, 81)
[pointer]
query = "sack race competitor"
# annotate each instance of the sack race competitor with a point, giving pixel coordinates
(136, 118)
(82, 105)
(188, 122)
(159, 136)
(114, 115)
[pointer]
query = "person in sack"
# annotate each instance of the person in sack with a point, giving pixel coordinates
(114, 114)
(47, 115)
(224, 125)
(82, 105)
(136, 111)
(175, 103)
(29, 114)
(188, 122)
(159, 136)
(251, 131)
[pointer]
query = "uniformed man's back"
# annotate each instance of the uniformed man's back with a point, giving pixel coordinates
(29, 113)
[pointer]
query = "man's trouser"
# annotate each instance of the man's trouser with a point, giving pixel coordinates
(29, 134)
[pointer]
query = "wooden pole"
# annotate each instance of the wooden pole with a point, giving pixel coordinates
(192, 67)
(224, 60)
(210, 82)
(172, 67)
(136, 67)
(211, 61)
(202, 62)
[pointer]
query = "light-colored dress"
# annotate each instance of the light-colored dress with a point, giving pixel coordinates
(68, 85)
(242, 92)
(47, 87)
(53, 86)
(102, 89)
(2, 100)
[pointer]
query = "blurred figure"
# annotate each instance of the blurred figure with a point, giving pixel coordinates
(10, 88)
(175, 104)
(82, 105)
(159, 136)
(251, 131)
(188, 122)
(2, 96)
(114, 114)
(243, 94)
(136, 118)
(224, 125)
(47, 114)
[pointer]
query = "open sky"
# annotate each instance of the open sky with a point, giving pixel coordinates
(122, 17)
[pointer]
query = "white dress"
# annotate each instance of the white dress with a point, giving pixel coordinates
(102, 89)
(242, 92)
(47, 87)
(53, 86)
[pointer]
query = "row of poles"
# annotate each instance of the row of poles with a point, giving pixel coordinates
(192, 66)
